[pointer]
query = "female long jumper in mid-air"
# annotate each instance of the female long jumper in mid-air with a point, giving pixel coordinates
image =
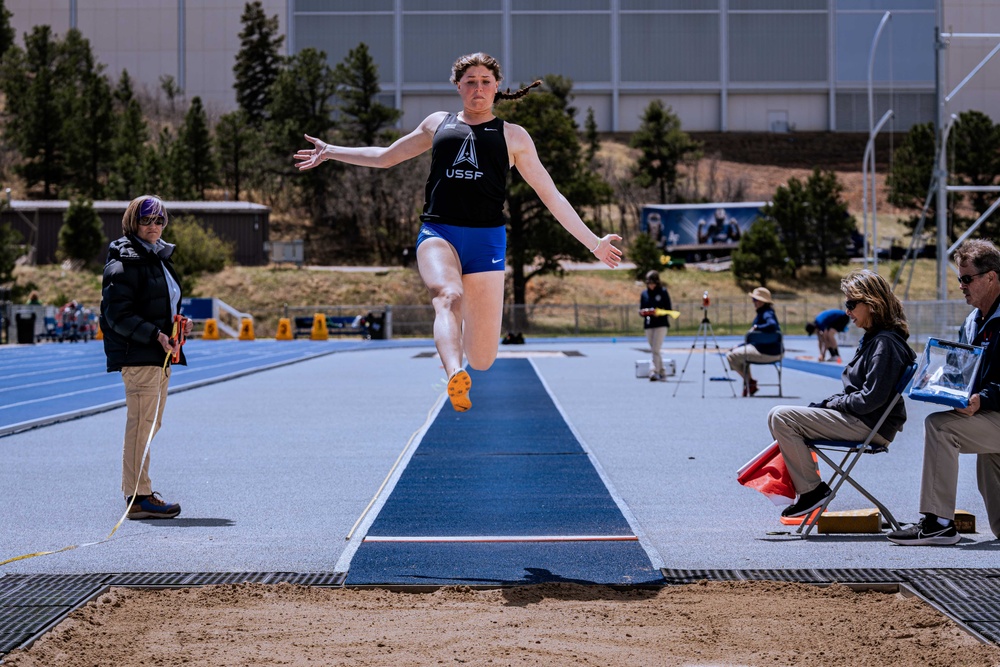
(461, 247)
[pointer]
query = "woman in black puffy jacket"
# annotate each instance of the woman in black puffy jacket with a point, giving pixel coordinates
(140, 297)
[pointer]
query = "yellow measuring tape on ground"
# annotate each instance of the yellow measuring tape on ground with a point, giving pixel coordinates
(145, 453)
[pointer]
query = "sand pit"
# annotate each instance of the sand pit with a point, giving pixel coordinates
(718, 623)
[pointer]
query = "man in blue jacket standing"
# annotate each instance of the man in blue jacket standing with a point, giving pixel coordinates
(975, 429)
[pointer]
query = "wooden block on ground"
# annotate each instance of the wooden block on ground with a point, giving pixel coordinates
(965, 522)
(851, 521)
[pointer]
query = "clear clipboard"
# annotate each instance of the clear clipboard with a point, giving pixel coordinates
(946, 373)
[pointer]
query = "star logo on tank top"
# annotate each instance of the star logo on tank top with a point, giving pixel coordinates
(467, 153)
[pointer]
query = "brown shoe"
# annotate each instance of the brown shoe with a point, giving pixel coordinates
(753, 387)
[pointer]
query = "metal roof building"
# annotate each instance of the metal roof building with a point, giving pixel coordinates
(722, 65)
(242, 224)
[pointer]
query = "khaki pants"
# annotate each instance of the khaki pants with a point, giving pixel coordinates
(741, 356)
(655, 337)
(791, 426)
(948, 434)
(142, 386)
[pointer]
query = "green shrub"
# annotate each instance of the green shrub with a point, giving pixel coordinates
(199, 250)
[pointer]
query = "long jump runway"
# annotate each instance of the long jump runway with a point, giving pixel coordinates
(503, 494)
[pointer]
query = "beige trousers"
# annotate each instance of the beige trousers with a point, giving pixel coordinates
(948, 434)
(792, 425)
(143, 414)
(655, 337)
(741, 356)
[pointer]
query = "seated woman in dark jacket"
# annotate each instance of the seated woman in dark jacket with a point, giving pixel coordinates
(869, 384)
(140, 296)
(741, 356)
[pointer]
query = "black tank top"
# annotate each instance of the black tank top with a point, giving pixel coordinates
(467, 185)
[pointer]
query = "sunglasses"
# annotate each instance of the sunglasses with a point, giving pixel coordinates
(965, 280)
(851, 304)
(158, 221)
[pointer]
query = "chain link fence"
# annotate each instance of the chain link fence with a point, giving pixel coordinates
(938, 319)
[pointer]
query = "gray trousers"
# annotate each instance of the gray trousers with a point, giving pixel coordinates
(655, 336)
(948, 434)
(792, 425)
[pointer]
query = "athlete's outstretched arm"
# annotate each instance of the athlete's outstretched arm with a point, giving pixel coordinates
(404, 148)
(525, 158)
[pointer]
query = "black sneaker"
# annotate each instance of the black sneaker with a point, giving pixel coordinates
(926, 533)
(808, 501)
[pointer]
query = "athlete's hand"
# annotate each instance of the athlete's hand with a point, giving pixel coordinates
(311, 157)
(608, 253)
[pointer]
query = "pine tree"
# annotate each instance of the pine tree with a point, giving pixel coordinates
(363, 120)
(592, 140)
(760, 256)
(10, 249)
(238, 145)
(196, 154)
(976, 151)
(131, 166)
(662, 146)
(34, 115)
(534, 236)
(832, 224)
(85, 95)
(301, 103)
(910, 178)
(788, 209)
(7, 33)
(813, 220)
(81, 237)
(258, 62)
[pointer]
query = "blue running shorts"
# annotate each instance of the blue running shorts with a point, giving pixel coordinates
(479, 249)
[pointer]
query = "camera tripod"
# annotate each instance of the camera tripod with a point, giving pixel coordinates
(704, 331)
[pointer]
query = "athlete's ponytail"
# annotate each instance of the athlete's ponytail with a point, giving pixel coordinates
(515, 95)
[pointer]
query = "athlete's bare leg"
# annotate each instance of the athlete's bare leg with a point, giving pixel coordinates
(483, 313)
(441, 271)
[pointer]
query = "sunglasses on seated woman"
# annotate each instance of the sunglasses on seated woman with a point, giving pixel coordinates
(157, 220)
(851, 304)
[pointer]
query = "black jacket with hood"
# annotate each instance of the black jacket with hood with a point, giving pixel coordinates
(135, 303)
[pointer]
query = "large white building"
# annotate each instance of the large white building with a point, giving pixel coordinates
(722, 65)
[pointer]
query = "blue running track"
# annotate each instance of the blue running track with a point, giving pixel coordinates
(43, 384)
(502, 494)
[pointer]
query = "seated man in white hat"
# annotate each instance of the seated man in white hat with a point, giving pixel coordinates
(741, 356)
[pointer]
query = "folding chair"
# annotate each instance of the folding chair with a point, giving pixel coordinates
(756, 338)
(852, 452)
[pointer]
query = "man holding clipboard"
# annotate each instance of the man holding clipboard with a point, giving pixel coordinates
(974, 429)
